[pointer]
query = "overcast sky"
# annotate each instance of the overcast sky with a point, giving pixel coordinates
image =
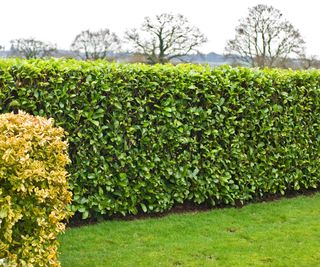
(59, 21)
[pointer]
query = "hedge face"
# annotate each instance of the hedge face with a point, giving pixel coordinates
(146, 137)
(33, 192)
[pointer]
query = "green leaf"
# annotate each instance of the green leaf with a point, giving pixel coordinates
(96, 123)
(143, 206)
(85, 215)
(123, 176)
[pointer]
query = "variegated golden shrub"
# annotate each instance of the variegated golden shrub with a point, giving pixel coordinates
(33, 190)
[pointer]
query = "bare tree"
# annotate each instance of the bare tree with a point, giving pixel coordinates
(166, 37)
(31, 48)
(265, 39)
(96, 45)
(311, 62)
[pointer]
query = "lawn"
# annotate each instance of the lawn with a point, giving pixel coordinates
(279, 233)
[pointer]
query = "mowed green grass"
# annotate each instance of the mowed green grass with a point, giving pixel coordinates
(279, 233)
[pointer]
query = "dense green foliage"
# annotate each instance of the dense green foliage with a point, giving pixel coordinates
(146, 137)
(33, 192)
(277, 234)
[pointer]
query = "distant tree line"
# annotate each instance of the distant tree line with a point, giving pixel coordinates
(31, 48)
(159, 40)
(263, 39)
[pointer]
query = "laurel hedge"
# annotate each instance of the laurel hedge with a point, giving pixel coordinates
(33, 190)
(143, 138)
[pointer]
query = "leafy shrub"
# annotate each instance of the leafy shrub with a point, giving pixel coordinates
(33, 192)
(147, 137)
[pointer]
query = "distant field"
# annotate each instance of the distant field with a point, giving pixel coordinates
(280, 233)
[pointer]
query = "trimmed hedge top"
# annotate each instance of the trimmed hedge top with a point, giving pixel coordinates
(146, 137)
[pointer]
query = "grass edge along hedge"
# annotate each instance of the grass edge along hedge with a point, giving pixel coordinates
(33, 192)
(143, 138)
